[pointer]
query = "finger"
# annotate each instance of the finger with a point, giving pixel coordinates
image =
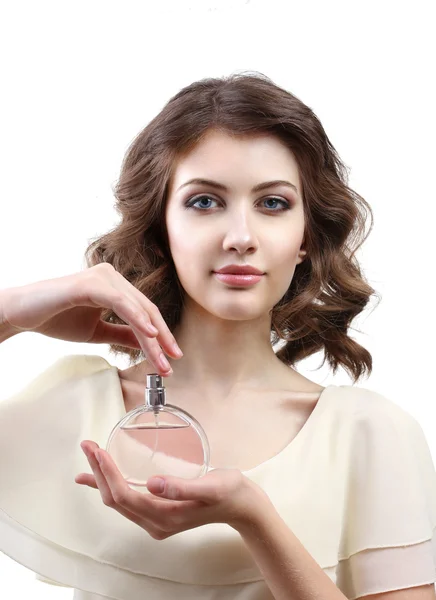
(89, 448)
(117, 486)
(164, 336)
(132, 313)
(154, 355)
(210, 489)
(98, 482)
(90, 480)
(86, 479)
(140, 324)
(153, 316)
(144, 505)
(108, 333)
(128, 309)
(182, 489)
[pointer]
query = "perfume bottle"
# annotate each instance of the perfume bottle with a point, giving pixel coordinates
(158, 439)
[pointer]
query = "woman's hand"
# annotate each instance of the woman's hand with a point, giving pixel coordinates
(69, 308)
(221, 496)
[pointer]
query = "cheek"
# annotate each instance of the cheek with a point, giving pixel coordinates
(283, 255)
(190, 254)
(180, 248)
(178, 240)
(283, 259)
(187, 241)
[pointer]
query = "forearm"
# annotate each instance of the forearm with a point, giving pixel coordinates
(290, 572)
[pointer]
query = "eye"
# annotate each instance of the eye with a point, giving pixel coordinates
(191, 203)
(285, 205)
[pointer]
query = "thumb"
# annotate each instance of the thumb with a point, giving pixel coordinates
(176, 488)
(110, 333)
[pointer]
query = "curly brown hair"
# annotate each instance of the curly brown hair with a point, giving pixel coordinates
(328, 288)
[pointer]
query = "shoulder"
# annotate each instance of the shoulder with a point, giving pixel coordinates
(367, 414)
(368, 404)
(377, 423)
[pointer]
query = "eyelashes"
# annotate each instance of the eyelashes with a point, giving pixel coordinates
(190, 204)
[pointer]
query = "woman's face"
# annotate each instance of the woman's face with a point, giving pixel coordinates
(210, 228)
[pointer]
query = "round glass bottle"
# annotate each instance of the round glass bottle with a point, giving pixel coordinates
(158, 439)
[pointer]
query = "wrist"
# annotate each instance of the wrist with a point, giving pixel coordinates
(254, 504)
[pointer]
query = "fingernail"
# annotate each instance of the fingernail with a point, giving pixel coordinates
(158, 484)
(99, 457)
(177, 350)
(164, 363)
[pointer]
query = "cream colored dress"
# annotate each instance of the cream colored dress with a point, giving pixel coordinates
(357, 486)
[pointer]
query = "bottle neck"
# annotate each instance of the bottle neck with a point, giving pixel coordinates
(155, 397)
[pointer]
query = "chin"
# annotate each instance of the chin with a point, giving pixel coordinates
(237, 313)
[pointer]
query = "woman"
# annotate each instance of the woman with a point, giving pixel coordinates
(238, 234)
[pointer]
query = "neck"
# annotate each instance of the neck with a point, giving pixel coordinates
(223, 357)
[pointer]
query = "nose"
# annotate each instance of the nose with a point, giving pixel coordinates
(240, 234)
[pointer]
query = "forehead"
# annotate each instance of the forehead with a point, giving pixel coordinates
(233, 159)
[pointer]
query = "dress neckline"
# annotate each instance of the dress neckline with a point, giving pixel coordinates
(293, 444)
(301, 435)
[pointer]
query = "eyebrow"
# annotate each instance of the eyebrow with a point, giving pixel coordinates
(257, 188)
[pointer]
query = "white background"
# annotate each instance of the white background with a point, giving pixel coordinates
(81, 79)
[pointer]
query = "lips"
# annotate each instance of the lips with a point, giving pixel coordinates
(239, 270)
(238, 280)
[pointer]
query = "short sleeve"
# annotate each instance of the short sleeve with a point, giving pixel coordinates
(36, 452)
(388, 539)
